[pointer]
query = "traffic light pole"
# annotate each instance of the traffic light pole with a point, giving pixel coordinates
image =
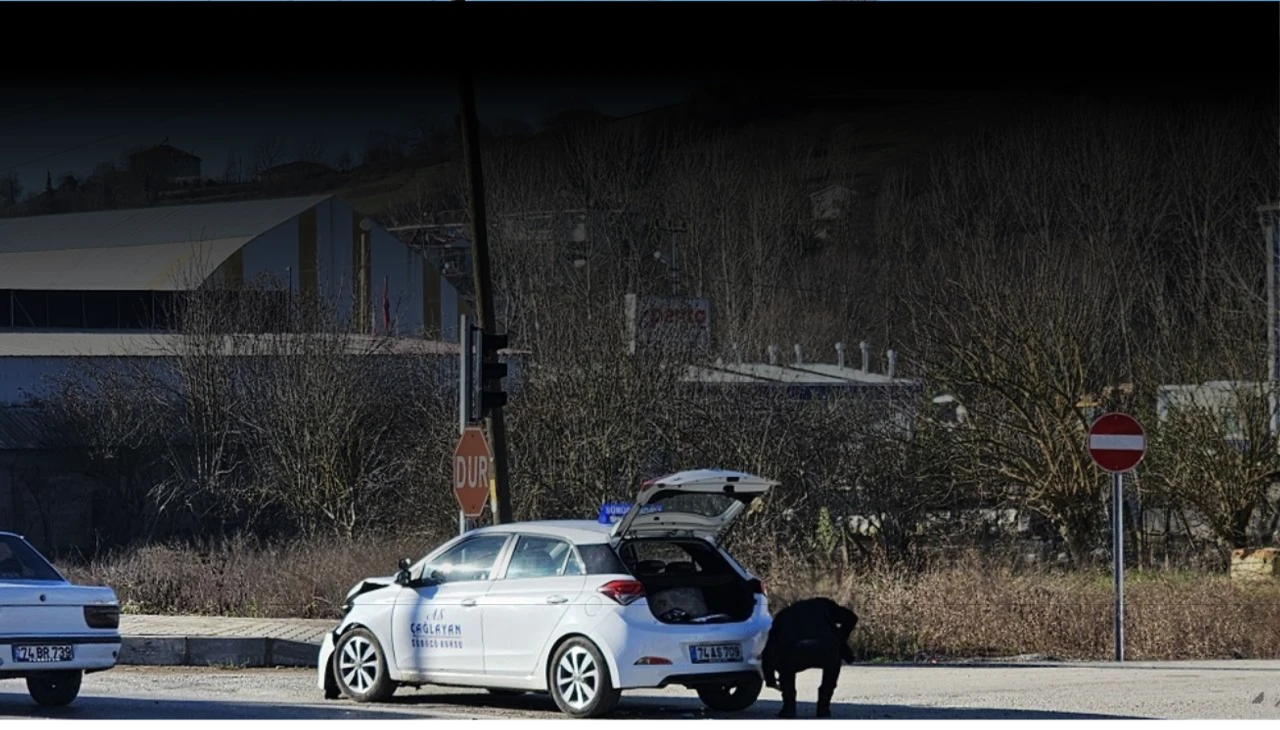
(483, 282)
(464, 392)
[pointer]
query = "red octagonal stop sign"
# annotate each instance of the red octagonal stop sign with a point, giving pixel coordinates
(472, 466)
(1117, 442)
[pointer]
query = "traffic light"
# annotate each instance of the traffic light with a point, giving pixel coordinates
(487, 373)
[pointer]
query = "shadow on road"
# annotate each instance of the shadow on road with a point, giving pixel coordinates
(101, 708)
(675, 708)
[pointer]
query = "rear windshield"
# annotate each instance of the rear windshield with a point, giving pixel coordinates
(649, 557)
(20, 561)
(703, 505)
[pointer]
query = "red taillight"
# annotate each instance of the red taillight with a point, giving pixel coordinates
(651, 661)
(625, 592)
(757, 586)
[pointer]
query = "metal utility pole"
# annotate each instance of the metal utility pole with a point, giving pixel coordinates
(1269, 216)
(483, 282)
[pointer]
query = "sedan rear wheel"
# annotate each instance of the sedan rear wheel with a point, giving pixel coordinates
(579, 680)
(55, 689)
(360, 667)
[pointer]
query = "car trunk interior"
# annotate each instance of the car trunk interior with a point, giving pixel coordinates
(688, 581)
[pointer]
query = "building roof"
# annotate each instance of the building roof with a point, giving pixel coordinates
(160, 344)
(129, 250)
(804, 374)
(165, 150)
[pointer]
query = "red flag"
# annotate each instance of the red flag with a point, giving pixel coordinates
(386, 307)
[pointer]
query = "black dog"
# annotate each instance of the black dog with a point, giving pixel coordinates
(809, 634)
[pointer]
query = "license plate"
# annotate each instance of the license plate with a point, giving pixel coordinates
(43, 654)
(715, 653)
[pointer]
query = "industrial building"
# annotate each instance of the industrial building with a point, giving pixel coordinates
(75, 284)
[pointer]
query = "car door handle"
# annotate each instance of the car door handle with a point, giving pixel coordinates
(468, 602)
(557, 599)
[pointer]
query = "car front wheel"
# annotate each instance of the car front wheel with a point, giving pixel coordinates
(56, 689)
(731, 697)
(360, 666)
(579, 680)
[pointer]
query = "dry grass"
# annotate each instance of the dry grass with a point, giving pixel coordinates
(301, 579)
(967, 610)
(975, 610)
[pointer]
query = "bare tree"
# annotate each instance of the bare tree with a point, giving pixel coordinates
(233, 171)
(344, 161)
(268, 152)
(311, 149)
(10, 191)
(104, 410)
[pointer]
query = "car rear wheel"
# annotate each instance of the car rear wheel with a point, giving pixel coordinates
(731, 697)
(578, 677)
(55, 689)
(360, 666)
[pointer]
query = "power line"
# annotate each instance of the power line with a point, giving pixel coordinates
(41, 105)
(99, 140)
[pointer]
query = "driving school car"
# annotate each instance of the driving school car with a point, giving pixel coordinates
(52, 633)
(580, 609)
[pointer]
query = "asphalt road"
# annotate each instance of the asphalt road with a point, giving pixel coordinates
(1183, 690)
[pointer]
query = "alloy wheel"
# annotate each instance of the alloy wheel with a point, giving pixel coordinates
(577, 678)
(359, 664)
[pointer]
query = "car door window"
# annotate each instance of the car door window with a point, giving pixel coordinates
(472, 559)
(543, 557)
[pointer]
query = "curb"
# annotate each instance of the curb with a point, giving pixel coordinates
(203, 651)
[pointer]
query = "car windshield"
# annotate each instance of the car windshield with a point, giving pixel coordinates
(20, 561)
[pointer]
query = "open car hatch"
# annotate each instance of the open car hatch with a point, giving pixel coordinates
(702, 502)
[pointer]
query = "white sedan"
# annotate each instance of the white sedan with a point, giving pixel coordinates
(577, 608)
(52, 632)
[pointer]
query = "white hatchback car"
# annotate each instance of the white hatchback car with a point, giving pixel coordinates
(576, 608)
(51, 632)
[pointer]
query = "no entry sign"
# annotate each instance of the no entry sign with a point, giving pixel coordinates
(1117, 443)
(472, 465)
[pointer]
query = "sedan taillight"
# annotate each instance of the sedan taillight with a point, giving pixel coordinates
(757, 586)
(624, 592)
(102, 617)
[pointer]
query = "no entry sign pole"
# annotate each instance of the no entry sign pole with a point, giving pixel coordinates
(1117, 559)
(1117, 444)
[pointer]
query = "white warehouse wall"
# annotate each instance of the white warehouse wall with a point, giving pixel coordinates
(277, 253)
(400, 268)
(333, 253)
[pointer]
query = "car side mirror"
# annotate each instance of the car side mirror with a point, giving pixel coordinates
(403, 576)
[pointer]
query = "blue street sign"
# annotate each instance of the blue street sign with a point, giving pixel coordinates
(611, 512)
